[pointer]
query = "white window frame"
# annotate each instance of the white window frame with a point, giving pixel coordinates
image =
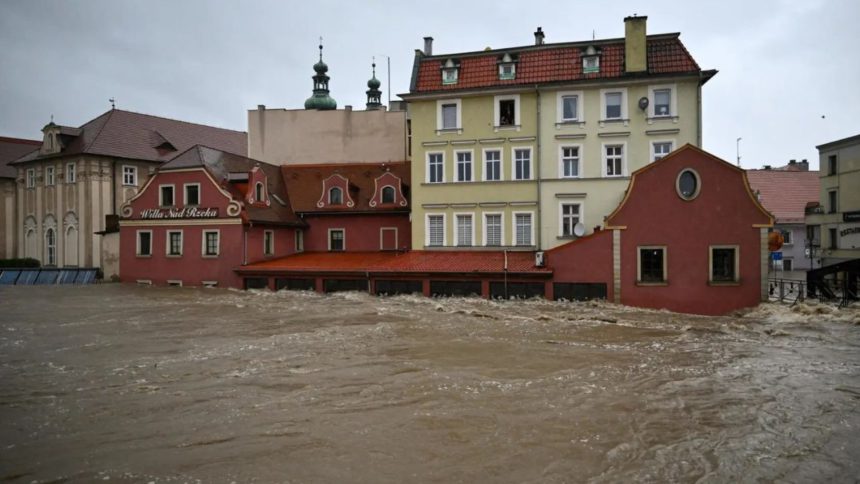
(531, 227)
(457, 165)
(31, 178)
(132, 172)
(737, 249)
(604, 159)
(268, 239)
(217, 233)
(51, 246)
(174, 283)
(427, 166)
(459, 125)
(484, 240)
(471, 216)
(639, 280)
(624, 113)
(137, 243)
(259, 191)
(427, 228)
(71, 172)
(382, 194)
(514, 162)
(497, 112)
(161, 194)
(382, 231)
(656, 142)
(580, 100)
(167, 243)
(185, 194)
(673, 101)
(343, 232)
(787, 240)
(339, 190)
(50, 180)
(561, 205)
(484, 170)
(579, 157)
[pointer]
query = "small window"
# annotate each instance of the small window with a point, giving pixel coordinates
(31, 178)
(435, 168)
(51, 247)
(174, 243)
(144, 243)
(834, 245)
(335, 196)
(492, 165)
(662, 102)
(259, 194)
(464, 230)
(436, 230)
(590, 64)
(507, 67)
(661, 149)
(129, 175)
(464, 166)
(192, 194)
(724, 264)
(522, 164)
(523, 228)
(493, 229)
(449, 116)
(652, 265)
(300, 241)
(569, 161)
(507, 112)
(166, 196)
(613, 105)
(832, 165)
(786, 237)
(570, 216)
(49, 176)
(450, 72)
(569, 108)
(787, 265)
(388, 194)
(71, 173)
(336, 240)
(688, 184)
(268, 242)
(614, 160)
(211, 243)
(832, 201)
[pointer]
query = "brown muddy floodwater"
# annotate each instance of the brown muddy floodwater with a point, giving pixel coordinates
(133, 384)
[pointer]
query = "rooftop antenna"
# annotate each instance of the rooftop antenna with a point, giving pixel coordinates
(388, 86)
(112, 103)
(738, 149)
(593, 34)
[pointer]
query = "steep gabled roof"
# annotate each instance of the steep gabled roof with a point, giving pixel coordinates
(305, 184)
(221, 164)
(10, 150)
(124, 134)
(785, 194)
(552, 63)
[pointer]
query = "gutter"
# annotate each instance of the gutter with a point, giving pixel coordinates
(537, 173)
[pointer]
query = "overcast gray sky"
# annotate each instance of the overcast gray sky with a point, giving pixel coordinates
(788, 79)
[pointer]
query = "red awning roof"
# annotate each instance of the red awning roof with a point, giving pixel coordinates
(416, 261)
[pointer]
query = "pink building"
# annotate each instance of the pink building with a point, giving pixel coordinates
(202, 215)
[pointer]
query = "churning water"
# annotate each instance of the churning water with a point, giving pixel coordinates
(136, 384)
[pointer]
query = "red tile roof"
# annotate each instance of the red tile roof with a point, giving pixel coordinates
(305, 184)
(416, 261)
(10, 150)
(785, 194)
(551, 63)
(124, 134)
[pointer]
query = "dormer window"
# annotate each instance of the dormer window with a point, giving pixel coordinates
(507, 67)
(450, 72)
(259, 192)
(388, 194)
(335, 196)
(590, 60)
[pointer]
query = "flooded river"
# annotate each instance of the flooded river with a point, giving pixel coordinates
(133, 384)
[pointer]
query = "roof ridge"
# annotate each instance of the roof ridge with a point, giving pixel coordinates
(86, 147)
(178, 120)
(22, 141)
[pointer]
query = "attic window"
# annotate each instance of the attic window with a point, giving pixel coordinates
(258, 192)
(335, 196)
(388, 194)
(590, 60)
(450, 72)
(507, 67)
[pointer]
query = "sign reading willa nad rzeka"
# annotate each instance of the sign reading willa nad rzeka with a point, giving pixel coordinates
(177, 213)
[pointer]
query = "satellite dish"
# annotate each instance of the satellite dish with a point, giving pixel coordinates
(643, 103)
(579, 229)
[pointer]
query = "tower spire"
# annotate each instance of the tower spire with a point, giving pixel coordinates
(320, 98)
(374, 95)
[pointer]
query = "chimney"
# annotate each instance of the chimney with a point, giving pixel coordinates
(767, 167)
(261, 107)
(348, 107)
(539, 36)
(804, 165)
(428, 46)
(792, 162)
(635, 49)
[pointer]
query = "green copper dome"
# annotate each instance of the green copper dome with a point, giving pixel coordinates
(321, 67)
(320, 99)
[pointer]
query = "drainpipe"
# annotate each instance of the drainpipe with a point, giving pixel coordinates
(699, 109)
(245, 244)
(537, 172)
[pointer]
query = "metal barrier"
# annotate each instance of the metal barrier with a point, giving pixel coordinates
(786, 290)
(31, 276)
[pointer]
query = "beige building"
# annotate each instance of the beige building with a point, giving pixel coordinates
(10, 150)
(515, 147)
(833, 225)
(68, 193)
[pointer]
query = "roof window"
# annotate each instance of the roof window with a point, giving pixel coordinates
(507, 67)
(590, 60)
(450, 71)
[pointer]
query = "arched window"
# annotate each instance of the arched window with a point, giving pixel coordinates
(335, 196)
(258, 192)
(388, 194)
(50, 247)
(70, 242)
(31, 244)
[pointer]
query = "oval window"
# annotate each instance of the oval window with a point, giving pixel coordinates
(688, 184)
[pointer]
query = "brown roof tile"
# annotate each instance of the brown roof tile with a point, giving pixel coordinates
(305, 184)
(785, 194)
(10, 150)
